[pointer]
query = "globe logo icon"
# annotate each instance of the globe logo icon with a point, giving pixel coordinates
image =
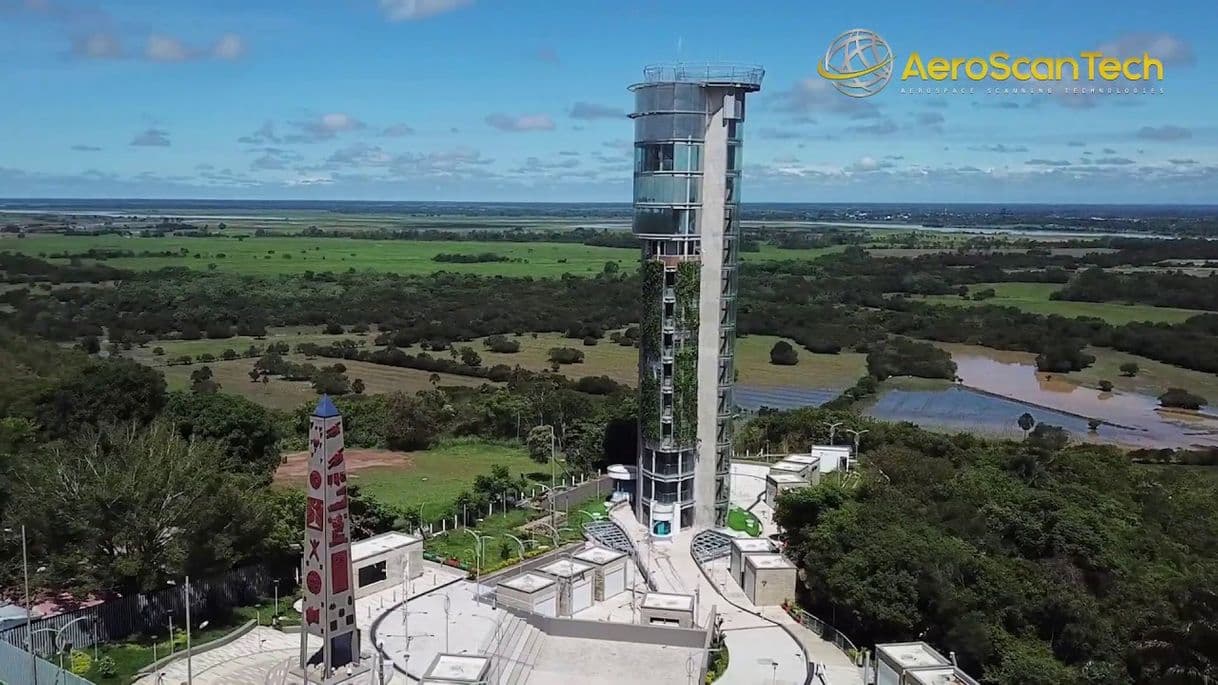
(858, 63)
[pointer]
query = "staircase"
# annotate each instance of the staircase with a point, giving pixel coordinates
(515, 652)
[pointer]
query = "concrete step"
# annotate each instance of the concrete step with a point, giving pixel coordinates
(528, 658)
(507, 650)
(513, 654)
(503, 629)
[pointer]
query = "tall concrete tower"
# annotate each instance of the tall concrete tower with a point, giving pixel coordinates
(688, 133)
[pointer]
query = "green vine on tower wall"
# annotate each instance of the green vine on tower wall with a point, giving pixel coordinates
(689, 278)
(649, 406)
(685, 395)
(653, 295)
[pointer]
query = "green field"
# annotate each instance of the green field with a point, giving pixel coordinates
(1034, 298)
(1153, 377)
(271, 256)
(267, 256)
(434, 477)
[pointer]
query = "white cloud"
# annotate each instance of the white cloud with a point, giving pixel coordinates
(98, 45)
(591, 110)
(397, 131)
(413, 10)
(230, 47)
(153, 137)
(1164, 46)
(526, 122)
(325, 127)
(162, 48)
(1164, 133)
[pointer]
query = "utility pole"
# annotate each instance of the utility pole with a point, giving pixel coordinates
(553, 476)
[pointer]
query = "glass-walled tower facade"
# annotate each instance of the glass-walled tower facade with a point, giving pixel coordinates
(688, 136)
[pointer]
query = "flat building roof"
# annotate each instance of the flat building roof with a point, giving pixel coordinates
(768, 561)
(753, 544)
(807, 459)
(663, 600)
(458, 668)
(785, 477)
(379, 544)
(528, 582)
(911, 654)
(599, 555)
(565, 568)
(788, 467)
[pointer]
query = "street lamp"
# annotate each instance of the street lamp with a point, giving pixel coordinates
(833, 430)
(479, 549)
(29, 608)
(856, 435)
(60, 645)
(189, 664)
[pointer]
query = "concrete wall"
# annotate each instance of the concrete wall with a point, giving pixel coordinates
(618, 632)
(684, 619)
(769, 587)
(711, 227)
(395, 564)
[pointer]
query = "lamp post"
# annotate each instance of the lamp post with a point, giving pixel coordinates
(856, 435)
(29, 609)
(479, 549)
(189, 664)
(519, 543)
(553, 473)
(276, 620)
(833, 430)
(60, 645)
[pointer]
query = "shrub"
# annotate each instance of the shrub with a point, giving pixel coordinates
(783, 354)
(566, 355)
(106, 667)
(1181, 398)
(1106, 386)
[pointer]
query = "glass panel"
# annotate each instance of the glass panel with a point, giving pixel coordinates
(733, 157)
(670, 127)
(688, 97)
(688, 157)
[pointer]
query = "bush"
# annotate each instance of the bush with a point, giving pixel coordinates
(81, 662)
(106, 667)
(1181, 399)
(501, 344)
(566, 355)
(783, 354)
(590, 341)
(905, 357)
(1129, 369)
(1106, 386)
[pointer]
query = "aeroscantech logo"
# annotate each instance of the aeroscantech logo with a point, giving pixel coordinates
(860, 63)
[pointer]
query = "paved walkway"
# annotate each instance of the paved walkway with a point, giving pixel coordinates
(245, 661)
(761, 650)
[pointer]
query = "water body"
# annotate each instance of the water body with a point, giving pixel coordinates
(754, 398)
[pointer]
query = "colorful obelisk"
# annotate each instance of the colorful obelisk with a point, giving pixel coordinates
(329, 598)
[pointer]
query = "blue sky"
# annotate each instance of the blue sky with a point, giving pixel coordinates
(524, 100)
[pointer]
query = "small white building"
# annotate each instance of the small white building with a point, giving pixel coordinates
(574, 584)
(625, 480)
(834, 457)
(663, 609)
(457, 669)
(769, 579)
(529, 592)
(742, 547)
(778, 483)
(788, 467)
(810, 463)
(895, 659)
(609, 571)
(380, 561)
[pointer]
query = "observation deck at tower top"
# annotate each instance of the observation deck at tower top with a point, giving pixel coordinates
(743, 76)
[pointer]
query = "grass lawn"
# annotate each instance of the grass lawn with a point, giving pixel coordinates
(500, 548)
(752, 359)
(1153, 377)
(131, 656)
(433, 478)
(277, 255)
(739, 519)
(1034, 298)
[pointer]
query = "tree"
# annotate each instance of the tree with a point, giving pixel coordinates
(90, 344)
(434, 379)
(470, 358)
(333, 328)
(1181, 650)
(782, 354)
(108, 391)
(357, 386)
(566, 355)
(331, 382)
(540, 443)
(202, 382)
(413, 423)
(611, 268)
(1129, 369)
(125, 508)
(1026, 423)
(246, 431)
(1181, 399)
(1105, 386)
(1093, 425)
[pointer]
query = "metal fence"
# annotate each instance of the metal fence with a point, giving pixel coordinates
(17, 667)
(151, 613)
(827, 632)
